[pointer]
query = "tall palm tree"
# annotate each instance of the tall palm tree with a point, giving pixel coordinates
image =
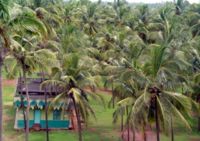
(4, 45)
(29, 62)
(142, 52)
(73, 77)
(52, 22)
(21, 54)
(196, 88)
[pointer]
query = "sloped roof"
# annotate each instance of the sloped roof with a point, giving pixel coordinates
(37, 95)
(34, 87)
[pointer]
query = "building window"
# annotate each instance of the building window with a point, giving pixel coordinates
(57, 115)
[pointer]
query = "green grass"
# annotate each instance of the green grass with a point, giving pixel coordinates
(182, 137)
(101, 129)
(8, 92)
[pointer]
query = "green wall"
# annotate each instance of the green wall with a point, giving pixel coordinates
(51, 123)
(63, 123)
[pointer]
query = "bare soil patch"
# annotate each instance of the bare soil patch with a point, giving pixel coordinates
(150, 135)
(7, 82)
(194, 139)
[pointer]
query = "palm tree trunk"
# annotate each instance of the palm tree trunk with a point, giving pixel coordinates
(46, 116)
(182, 88)
(199, 124)
(78, 119)
(122, 121)
(24, 116)
(46, 110)
(127, 112)
(144, 133)
(113, 99)
(128, 131)
(157, 121)
(118, 2)
(172, 130)
(1, 101)
(133, 132)
(22, 100)
(28, 106)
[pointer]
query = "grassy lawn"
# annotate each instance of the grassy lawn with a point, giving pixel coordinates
(100, 130)
(183, 134)
(183, 137)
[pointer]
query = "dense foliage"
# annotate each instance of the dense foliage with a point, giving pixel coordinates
(148, 56)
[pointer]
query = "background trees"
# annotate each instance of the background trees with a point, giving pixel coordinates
(146, 55)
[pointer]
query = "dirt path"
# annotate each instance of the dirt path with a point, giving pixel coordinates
(138, 136)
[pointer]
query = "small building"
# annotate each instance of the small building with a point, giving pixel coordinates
(58, 117)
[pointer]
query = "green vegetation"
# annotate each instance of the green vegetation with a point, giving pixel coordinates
(148, 58)
(102, 129)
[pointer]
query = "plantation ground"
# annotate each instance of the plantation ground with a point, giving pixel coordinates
(100, 130)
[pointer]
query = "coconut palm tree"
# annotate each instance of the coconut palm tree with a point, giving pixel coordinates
(194, 80)
(52, 21)
(90, 20)
(26, 51)
(4, 47)
(152, 93)
(73, 78)
(180, 6)
(28, 62)
(196, 93)
(144, 53)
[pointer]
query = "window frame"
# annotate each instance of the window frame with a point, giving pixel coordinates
(56, 114)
